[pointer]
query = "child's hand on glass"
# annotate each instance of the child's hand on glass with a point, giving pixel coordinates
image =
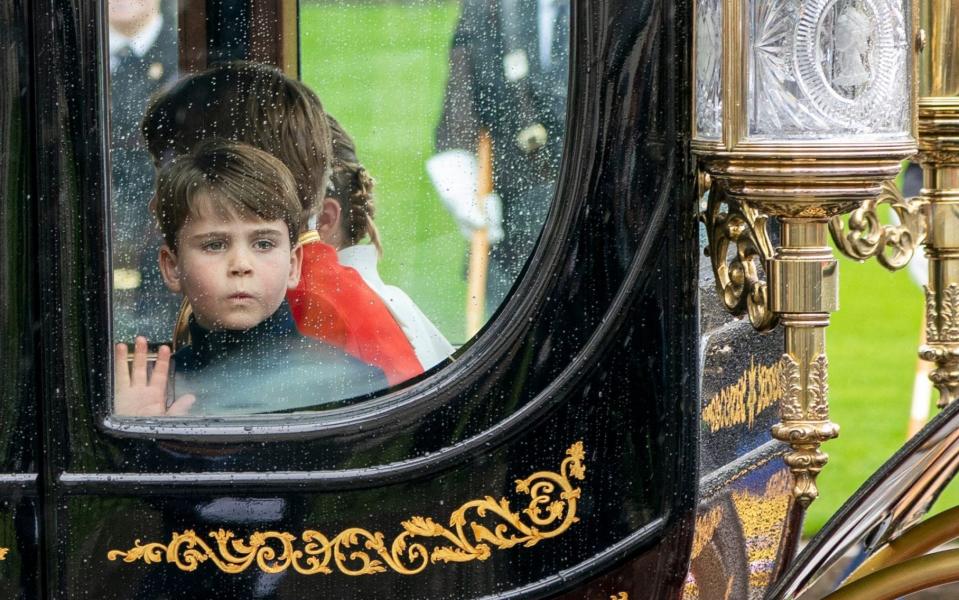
(140, 395)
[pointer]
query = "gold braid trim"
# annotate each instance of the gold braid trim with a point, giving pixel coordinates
(355, 551)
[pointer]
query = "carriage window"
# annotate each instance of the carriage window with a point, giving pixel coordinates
(297, 226)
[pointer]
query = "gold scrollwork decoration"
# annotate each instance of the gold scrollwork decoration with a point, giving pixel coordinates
(893, 244)
(738, 246)
(355, 551)
(3, 553)
(620, 596)
(942, 323)
(942, 341)
(819, 388)
(805, 423)
(791, 407)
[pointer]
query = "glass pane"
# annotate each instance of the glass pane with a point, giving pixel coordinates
(143, 61)
(709, 61)
(828, 68)
(318, 232)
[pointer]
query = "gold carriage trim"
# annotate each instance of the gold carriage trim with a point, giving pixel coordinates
(3, 553)
(757, 389)
(620, 596)
(356, 551)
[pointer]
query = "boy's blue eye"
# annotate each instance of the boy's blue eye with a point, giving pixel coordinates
(214, 246)
(264, 244)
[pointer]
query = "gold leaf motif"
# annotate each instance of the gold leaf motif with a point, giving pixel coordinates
(620, 596)
(932, 316)
(356, 551)
(791, 406)
(819, 389)
(949, 317)
(3, 553)
(946, 314)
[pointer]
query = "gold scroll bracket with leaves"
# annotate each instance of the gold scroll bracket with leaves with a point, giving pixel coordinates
(865, 235)
(739, 249)
(550, 511)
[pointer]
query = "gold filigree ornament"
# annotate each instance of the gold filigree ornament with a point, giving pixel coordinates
(892, 244)
(942, 340)
(3, 553)
(805, 424)
(355, 551)
(738, 248)
(620, 596)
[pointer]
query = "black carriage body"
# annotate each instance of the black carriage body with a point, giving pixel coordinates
(597, 348)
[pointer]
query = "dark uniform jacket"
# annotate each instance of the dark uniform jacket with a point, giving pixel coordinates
(142, 304)
(268, 368)
(497, 82)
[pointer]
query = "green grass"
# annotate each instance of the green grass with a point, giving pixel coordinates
(381, 70)
(872, 345)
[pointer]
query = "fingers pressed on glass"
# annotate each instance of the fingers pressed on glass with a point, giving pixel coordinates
(161, 369)
(181, 405)
(121, 368)
(140, 361)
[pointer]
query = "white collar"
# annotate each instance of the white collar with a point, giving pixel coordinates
(141, 43)
(363, 258)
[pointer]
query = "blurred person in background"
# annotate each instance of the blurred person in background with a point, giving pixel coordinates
(509, 67)
(143, 61)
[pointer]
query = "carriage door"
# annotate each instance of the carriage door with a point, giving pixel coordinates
(457, 359)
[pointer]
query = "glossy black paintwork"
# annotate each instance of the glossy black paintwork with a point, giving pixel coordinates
(746, 514)
(17, 282)
(20, 570)
(599, 344)
(731, 348)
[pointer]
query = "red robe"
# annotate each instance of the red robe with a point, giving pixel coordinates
(333, 304)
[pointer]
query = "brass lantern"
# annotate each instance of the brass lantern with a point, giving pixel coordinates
(803, 111)
(939, 157)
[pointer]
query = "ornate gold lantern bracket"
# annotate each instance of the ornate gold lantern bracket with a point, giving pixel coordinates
(865, 236)
(740, 249)
(804, 110)
(939, 157)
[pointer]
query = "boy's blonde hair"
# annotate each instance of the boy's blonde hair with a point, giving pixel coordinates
(237, 178)
(253, 104)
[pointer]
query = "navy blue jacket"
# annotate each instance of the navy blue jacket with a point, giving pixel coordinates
(270, 367)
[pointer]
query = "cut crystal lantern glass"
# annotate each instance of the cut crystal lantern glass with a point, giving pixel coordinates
(709, 60)
(828, 68)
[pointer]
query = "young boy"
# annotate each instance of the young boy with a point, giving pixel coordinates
(229, 216)
(258, 105)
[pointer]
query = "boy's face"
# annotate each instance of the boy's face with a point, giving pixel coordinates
(234, 272)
